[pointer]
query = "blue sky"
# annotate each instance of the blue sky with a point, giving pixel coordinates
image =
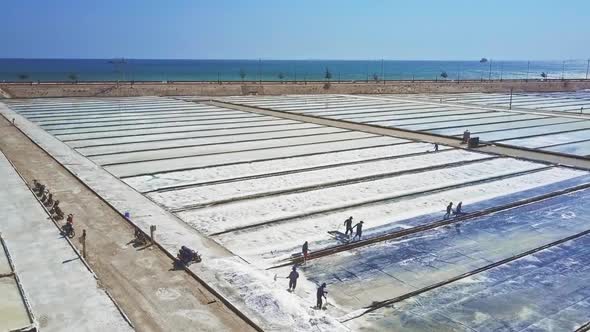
(296, 29)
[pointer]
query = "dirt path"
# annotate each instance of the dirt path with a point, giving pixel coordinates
(154, 297)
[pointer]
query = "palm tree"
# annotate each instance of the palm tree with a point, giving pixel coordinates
(242, 74)
(23, 76)
(281, 76)
(544, 75)
(375, 77)
(328, 74)
(73, 77)
(483, 60)
(444, 75)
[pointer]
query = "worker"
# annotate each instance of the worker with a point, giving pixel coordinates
(69, 226)
(466, 136)
(458, 209)
(359, 230)
(293, 278)
(449, 210)
(305, 251)
(348, 224)
(321, 293)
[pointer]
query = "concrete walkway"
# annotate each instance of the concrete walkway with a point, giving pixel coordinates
(15, 311)
(63, 293)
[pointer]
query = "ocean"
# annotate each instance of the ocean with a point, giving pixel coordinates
(49, 70)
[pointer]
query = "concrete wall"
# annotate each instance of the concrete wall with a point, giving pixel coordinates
(26, 90)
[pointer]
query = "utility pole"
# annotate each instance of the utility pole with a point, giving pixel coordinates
(528, 67)
(118, 65)
(501, 70)
(490, 75)
(295, 70)
(260, 71)
(382, 71)
(510, 107)
(563, 70)
(587, 67)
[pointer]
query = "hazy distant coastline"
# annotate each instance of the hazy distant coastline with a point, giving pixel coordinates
(64, 70)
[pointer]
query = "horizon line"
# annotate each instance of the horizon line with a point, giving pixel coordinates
(276, 59)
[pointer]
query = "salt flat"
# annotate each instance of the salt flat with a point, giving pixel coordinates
(279, 240)
(260, 186)
(551, 101)
(459, 112)
(309, 162)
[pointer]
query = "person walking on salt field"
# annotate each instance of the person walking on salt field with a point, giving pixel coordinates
(458, 209)
(359, 230)
(304, 251)
(348, 224)
(449, 210)
(293, 278)
(321, 293)
(435, 147)
(466, 136)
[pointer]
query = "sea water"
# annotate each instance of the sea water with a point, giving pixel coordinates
(27, 70)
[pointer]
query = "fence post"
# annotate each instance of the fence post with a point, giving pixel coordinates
(152, 231)
(83, 240)
(510, 107)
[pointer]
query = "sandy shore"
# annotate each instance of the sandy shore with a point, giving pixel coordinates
(106, 89)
